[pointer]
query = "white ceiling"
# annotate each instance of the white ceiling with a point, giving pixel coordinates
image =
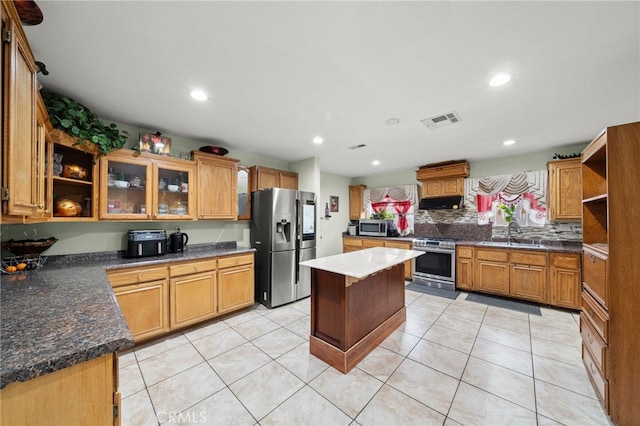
(280, 73)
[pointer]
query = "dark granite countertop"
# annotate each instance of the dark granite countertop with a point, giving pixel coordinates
(66, 313)
(559, 246)
(545, 246)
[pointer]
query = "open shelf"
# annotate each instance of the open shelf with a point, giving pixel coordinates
(594, 221)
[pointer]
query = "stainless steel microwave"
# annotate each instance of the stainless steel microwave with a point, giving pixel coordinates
(374, 227)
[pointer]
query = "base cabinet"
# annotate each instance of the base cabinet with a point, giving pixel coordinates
(235, 283)
(83, 394)
(492, 277)
(538, 276)
(145, 306)
(464, 268)
(492, 271)
(565, 280)
(159, 299)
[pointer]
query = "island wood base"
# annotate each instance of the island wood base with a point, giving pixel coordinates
(351, 317)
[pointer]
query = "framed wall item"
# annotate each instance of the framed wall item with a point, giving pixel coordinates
(155, 143)
(333, 203)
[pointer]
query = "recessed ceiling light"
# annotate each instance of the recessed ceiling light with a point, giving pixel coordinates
(199, 95)
(392, 121)
(508, 142)
(317, 140)
(500, 79)
(375, 162)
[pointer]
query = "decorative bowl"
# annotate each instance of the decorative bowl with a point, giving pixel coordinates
(67, 208)
(28, 247)
(74, 171)
(214, 150)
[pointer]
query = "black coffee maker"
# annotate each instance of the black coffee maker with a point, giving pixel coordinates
(177, 242)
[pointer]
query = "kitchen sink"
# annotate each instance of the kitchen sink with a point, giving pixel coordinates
(510, 244)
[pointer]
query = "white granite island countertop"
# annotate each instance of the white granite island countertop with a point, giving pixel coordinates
(362, 263)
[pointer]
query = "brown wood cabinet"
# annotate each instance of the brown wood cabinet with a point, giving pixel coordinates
(464, 267)
(235, 283)
(193, 295)
(83, 394)
(218, 184)
(265, 177)
(158, 299)
(565, 280)
(492, 271)
(565, 189)
(611, 270)
(23, 151)
(143, 296)
(528, 275)
(83, 191)
(443, 179)
(356, 194)
(351, 243)
(552, 278)
(157, 194)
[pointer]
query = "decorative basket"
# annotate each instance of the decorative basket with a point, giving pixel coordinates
(21, 265)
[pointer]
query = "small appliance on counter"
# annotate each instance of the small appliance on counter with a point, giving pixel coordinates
(177, 242)
(352, 228)
(150, 242)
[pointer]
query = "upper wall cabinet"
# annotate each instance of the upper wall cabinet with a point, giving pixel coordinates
(265, 177)
(565, 189)
(23, 152)
(218, 183)
(74, 179)
(443, 179)
(356, 193)
(146, 187)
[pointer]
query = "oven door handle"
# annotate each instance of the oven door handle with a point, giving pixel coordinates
(435, 249)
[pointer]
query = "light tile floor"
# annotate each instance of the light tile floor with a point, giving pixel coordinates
(452, 362)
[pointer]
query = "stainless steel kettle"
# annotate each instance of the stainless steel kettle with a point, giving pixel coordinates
(177, 242)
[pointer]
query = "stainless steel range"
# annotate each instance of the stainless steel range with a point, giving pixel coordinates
(437, 266)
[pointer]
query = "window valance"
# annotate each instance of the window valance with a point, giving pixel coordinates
(396, 193)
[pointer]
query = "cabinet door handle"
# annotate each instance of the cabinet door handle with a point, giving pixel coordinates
(593, 370)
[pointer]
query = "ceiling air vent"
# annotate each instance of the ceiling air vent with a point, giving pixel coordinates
(357, 146)
(442, 120)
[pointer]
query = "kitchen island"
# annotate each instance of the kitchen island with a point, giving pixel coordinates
(357, 300)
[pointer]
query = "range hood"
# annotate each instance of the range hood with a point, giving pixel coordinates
(441, 203)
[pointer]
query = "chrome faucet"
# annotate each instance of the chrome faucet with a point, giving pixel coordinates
(518, 230)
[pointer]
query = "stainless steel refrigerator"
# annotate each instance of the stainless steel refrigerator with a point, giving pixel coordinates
(283, 232)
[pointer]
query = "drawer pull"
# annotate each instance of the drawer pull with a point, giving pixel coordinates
(593, 370)
(590, 338)
(593, 259)
(195, 267)
(139, 277)
(591, 313)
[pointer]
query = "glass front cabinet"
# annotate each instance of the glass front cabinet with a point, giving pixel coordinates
(146, 187)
